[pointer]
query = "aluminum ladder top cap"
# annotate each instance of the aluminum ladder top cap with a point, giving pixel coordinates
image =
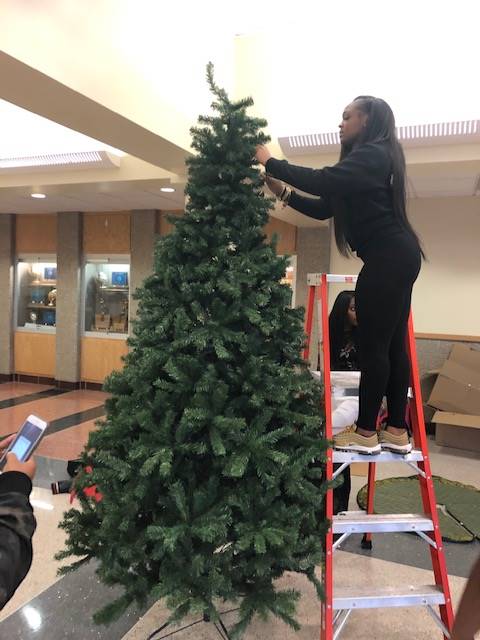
(316, 278)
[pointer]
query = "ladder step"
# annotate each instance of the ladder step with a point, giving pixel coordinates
(354, 522)
(371, 598)
(385, 456)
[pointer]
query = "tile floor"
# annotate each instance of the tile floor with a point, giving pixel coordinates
(46, 607)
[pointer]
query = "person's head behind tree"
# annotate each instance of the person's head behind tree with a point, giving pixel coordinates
(342, 327)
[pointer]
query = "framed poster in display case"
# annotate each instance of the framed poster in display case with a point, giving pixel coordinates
(36, 292)
(106, 295)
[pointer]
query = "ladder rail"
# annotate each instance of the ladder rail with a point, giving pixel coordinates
(426, 482)
(372, 467)
(327, 613)
(309, 322)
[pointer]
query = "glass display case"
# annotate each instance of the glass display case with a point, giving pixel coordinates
(106, 300)
(36, 293)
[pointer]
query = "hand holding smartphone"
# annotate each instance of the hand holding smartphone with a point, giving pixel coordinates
(26, 440)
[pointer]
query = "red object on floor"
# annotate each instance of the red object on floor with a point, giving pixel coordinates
(90, 492)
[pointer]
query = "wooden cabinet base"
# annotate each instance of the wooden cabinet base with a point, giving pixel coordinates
(35, 353)
(101, 356)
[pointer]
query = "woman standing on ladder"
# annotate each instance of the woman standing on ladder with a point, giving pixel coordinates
(365, 195)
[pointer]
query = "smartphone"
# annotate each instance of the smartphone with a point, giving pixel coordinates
(27, 440)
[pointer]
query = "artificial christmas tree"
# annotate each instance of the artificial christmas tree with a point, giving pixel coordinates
(205, 487)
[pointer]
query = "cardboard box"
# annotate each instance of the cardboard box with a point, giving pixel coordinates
(457, 388)
(457, 430)
(427, 382)
(359, 469)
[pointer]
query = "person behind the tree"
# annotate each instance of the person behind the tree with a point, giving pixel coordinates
(365, 195)
(342, 324)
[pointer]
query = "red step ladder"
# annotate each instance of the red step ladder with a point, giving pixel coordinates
(337, 607)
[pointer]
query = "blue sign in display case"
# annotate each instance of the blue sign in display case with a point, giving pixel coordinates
(119, 278)
(50, 273)
(48, 317)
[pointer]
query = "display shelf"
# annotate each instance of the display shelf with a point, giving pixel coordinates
(32, 305)
(52, 284)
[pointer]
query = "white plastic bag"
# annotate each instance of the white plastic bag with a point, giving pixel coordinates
(344, 397)
(344, 412)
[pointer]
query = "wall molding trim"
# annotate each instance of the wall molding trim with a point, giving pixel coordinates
(447, 336)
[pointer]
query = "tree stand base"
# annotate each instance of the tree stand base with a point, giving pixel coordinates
(219, 626)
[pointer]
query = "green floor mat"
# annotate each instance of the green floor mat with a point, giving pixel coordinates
(458, 504)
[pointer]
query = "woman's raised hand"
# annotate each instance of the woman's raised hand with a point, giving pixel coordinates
(262, 154)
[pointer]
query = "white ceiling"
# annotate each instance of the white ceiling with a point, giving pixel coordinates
(112, 196)
(38, 135)
(24, 134)
(300, 67)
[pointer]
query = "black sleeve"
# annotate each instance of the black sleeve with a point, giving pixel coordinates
(317, 208)
(363, 169)
(17, 525)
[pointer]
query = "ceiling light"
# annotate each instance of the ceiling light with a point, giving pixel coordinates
(40, 196)
(73, 160)
(167, 189)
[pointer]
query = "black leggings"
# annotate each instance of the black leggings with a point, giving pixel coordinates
(341, 494)
(382, 301)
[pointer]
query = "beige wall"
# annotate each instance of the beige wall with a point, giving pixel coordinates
(447, 294)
